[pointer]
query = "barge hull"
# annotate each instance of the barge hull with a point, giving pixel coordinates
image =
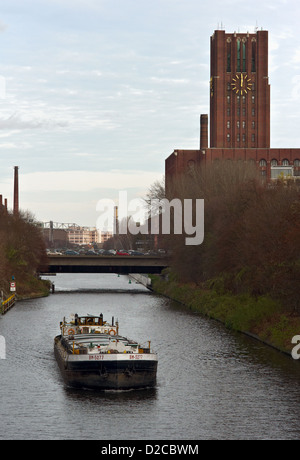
(117, 373)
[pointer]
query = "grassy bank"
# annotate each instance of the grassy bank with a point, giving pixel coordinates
(28, 287)
(262, 317)
(32, 287)
(22, 255)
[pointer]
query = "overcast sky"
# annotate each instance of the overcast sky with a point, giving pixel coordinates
(96, 94)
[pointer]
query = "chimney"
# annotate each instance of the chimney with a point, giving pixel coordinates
(16, 191)
(203, 132)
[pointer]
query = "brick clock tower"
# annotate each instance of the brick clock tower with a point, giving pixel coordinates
(239, 120)
(239, 90)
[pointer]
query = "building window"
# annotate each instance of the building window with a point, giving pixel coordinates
(253, 137)
(285, 162)
(238, 124)
(297, 163)
(228, 99)
(228, 137)
(244, 99)
(228, 111)
(281, 172)
(244, 111)
(238, 67)
(253, 99)
(253, 124)
(244, 124)
(262, 163)
(238, 137)
(274, 162)
(244, 137)
(253, 59)
(228, 124)
(229, 56)
(253, 112)
(244, 56)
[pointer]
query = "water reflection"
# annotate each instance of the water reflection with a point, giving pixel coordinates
(212, 383)
(100, 397)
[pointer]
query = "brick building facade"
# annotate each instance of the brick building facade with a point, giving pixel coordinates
(239, 117)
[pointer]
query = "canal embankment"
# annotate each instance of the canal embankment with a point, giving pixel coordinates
(138, 278)
(261, 317)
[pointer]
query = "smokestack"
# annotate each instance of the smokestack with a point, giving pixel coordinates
(116, 221)
(204, 132)
(16, 191)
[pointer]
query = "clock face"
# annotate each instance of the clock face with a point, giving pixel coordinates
(241, 84)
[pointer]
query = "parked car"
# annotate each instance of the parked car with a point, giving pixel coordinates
(122, 252)
(107, 252)
(150, 253)
(135, 253)
(91, 253)
(70, 252)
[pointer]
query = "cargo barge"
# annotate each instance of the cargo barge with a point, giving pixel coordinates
(91, 354)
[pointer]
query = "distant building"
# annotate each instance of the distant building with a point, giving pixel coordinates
(59, 233)
(82, 235)
(239, 112)
(105, 235)
(3, 206)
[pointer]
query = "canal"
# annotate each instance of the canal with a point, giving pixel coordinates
(212, 383)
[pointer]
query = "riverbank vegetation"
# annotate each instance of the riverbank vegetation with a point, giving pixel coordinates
(22, 254)
(246, 273)
(262, 317)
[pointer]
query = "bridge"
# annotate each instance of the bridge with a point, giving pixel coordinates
(105, 264)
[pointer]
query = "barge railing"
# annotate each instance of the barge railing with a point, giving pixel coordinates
(7, 304)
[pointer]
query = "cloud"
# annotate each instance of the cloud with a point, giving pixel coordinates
(17, 122)
(85, 181)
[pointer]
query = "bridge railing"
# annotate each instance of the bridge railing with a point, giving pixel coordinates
(7, 304)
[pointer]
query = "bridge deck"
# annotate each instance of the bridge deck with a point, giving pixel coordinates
(105, 264)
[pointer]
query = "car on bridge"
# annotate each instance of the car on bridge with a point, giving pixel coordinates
(107, 252)
(135, 253)
(70, 252)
